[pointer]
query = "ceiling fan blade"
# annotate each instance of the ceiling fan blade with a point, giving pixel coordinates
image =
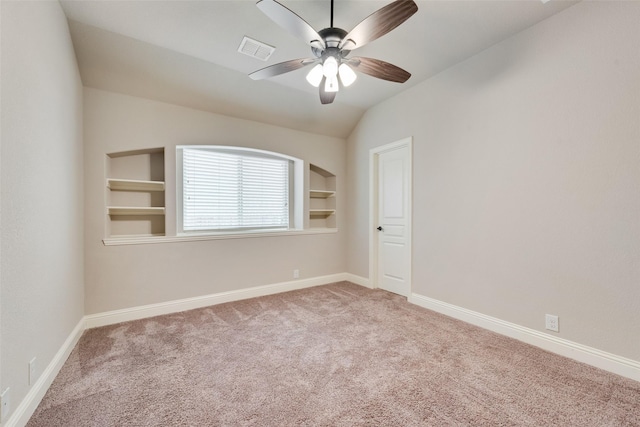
(291, 22)
(326, 97)
(281, 68)
(380, 69)
(378, 24)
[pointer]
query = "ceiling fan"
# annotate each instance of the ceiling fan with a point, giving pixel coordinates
(331, 46)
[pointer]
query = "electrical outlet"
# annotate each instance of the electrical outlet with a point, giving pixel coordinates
(5, 404)
(551, 322)
(32, 371)
(296, 274)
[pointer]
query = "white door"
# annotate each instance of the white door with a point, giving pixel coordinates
(393, 226)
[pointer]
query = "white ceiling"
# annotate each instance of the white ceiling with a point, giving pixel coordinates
(185, 52)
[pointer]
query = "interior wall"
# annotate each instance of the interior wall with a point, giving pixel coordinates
(526, 171)
(128, 276)
(42, 196)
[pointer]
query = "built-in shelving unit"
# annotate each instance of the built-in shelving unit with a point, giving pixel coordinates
(135, 193)
(322, 198)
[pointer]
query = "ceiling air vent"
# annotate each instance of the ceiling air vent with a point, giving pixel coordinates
(256, 49)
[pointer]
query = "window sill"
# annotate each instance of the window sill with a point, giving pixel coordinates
(143, 240)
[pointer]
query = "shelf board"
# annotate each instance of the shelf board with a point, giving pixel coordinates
(321, 212)
(320, 171)
(120, 210)
(134, 185)
(321, 194)
(137, 152)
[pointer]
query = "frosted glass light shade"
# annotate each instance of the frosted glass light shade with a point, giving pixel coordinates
(347, 75)
(331, 84)
(315, 76)
(330, 67)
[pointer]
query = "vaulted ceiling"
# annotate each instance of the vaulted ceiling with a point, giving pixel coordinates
(185, 52)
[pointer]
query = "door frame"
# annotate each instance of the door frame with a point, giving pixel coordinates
(374, 155)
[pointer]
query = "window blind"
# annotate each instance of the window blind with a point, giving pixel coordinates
(223, 190)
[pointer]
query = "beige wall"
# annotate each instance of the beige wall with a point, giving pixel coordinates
(42, 206)
(526, 178)
(128, 276)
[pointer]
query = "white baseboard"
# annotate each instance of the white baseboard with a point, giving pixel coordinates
(151, 310)
(28, 405)
(600, 359)
(358, 280)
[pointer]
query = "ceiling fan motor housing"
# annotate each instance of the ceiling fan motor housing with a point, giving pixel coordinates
(332, 38)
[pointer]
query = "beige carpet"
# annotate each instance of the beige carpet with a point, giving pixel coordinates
(335, 355)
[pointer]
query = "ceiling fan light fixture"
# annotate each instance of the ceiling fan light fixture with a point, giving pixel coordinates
(315, 75)
(347, 75)
(331, 84)
(330, 67)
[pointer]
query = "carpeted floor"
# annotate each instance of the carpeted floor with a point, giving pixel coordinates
(335, 355)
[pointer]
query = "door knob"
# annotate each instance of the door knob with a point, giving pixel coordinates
(380, 228)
